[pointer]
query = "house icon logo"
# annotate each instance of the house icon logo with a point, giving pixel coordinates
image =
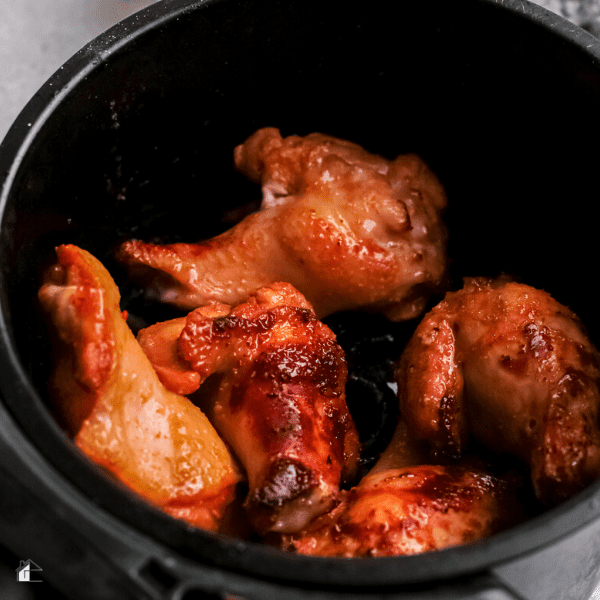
(28, 572)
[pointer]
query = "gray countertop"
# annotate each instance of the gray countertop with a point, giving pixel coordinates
(38, 36)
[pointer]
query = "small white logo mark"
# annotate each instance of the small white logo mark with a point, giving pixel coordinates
(28, 572)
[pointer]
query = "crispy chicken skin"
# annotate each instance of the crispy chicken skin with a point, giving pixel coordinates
(409, 511)
(278, 397)
(406, 506)
(507, 364)
(108, 396)
(349, 229)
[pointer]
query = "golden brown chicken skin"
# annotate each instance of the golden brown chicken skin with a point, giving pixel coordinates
(409, 511)
(404, 505)
(278, 398)
(349, 229)
(509, 365)
(109, 398)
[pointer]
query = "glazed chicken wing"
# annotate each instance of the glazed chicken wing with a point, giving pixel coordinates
(406, 506)
(156, 442)
(512, 367)
(409, 511)
(279, 398)
(349, 229)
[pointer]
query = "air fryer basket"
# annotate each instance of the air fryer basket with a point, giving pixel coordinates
(134, 137)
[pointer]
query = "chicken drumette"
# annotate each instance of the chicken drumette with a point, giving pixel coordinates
(349, 229)
(512, 367)
(406, 506)
(109, 398)
(276, 394)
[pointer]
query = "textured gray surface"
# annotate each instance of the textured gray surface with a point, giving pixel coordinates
(584, 13)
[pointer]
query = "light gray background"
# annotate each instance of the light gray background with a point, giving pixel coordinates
(38, 36)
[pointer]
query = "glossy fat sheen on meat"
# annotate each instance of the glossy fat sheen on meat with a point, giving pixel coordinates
(277, 396)
(349, 229)
(409, 511)
(110, 399)
(512, 367)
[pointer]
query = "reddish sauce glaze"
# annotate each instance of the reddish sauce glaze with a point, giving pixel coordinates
(280, 402)
(409, 511)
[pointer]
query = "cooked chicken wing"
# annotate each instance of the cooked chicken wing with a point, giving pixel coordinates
(403, 450)
(408, 511)
(349, 229)
(110, 399)
(406, 506)
(279, 399)
(509, 365)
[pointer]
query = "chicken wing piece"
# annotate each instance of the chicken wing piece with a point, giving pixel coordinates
(406, 506)
(410, 510)
(507, 364)
(106, 392)
(279, 398)
(349, 229)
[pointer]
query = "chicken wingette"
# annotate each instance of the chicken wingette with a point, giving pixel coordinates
(508, 365)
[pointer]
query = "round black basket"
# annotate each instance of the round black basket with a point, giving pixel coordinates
(135, 135)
